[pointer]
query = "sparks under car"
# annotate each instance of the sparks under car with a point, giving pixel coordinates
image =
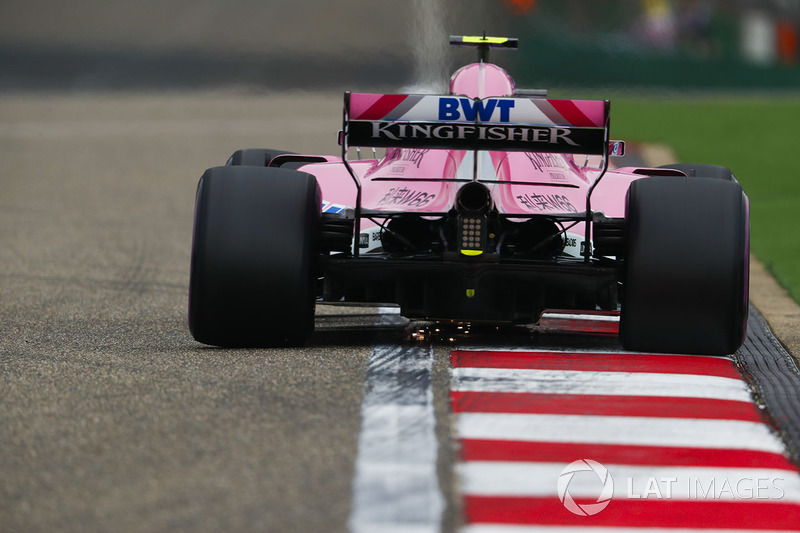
(490, 205)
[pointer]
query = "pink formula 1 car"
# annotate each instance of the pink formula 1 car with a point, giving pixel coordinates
(491, 204)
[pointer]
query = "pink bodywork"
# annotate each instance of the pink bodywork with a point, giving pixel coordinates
(541, 181)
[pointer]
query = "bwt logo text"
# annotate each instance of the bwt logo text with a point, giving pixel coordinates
(464, 109)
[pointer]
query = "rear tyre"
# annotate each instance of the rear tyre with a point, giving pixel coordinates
(254, 257)
(687, 266)
(255, 157)
(703, 171)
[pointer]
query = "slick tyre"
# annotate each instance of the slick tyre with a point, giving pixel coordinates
(255, 157)
(686, 266)
(254, 257)
(703, 171)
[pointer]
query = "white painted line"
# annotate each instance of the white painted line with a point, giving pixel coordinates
(396, 488)
(605, 383)
(570, 316)
(627, 430)
(510, 478)
(599, 350)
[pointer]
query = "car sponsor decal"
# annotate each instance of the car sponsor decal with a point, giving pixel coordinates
(403, 196)
(542, 161)
(369, 240)
(465, 109)
(546, 202)
(414, 156)
(472, 136)
(431, 121)
(574, 245)
(328, 207)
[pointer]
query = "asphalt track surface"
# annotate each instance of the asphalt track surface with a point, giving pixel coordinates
(111, 416)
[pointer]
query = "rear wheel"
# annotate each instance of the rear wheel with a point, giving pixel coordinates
(256, 157)
(703, 171)
(687, 266)
(254, 257)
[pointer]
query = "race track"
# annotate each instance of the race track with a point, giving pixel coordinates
(113, 418)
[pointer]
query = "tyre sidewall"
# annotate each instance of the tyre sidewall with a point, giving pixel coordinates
(254, 256)
(686, 273)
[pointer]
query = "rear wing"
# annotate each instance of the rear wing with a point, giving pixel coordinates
(460, 123)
